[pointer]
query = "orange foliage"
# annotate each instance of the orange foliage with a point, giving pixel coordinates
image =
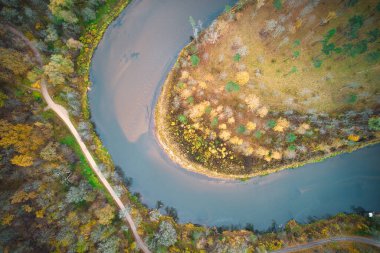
(22, 160)
(353, 137)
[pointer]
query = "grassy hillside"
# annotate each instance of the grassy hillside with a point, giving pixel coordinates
(274, 84)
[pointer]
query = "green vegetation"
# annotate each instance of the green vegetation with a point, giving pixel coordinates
(84, 166)
(374, 123)
(232, 87)
(277, 4)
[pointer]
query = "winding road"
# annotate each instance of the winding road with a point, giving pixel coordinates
(64, 115)
(316, 243)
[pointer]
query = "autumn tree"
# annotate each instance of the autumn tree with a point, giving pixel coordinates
(14, 62)
(58, 69)
(22, 160)
(24, 139)
(62, 9)
(49, 152)
(3, 98)
(105, 214)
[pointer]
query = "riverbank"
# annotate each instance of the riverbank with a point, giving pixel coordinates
(175, 153)
(173, 125)
(90, 39)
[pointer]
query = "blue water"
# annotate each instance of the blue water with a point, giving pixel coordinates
(127, 72)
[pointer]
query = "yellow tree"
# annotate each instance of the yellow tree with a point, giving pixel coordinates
(105, 214)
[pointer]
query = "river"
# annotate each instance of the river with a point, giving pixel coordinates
(128, 70)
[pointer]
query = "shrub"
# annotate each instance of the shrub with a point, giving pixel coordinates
(172, 212)
(241, 129)
(227, 8)
(277, 4)
(251, 126)
(182, 118)
(214, 122)
(293, 70)
(242, 77)
(317, 62)
(258, 134)
(22, 160)
(271, 123)
(351, 3)
(105, 214)
(373, 57)
(232, 87)
(291, 137)
(352, 98)
(354, 23)
(263, 111)
(166, 236)
(194, 60)
(190, 100)
(237, 57)
(373, 35)
(3, 98)
(353, 137)
(58, 69)
(374, 123)
(281, 125)
(355, 49)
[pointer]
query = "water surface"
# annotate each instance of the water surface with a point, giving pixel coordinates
(127, 72)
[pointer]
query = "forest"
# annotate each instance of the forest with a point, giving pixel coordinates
(51, 200)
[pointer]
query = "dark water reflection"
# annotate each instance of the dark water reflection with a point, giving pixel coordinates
(128, 70)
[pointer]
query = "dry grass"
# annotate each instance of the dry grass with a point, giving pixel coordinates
(267, 94)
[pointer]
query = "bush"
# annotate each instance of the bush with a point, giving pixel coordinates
(354, 23)
(166, 236)
(241, 129)
(317, 63)
(291, 137)
(232, 87)
(237, 57)
(172, 212)
(182, 118)
(194, 60)
(271, 123)
(277, 4)
(352, 98)
(374, 123)
(373, 57)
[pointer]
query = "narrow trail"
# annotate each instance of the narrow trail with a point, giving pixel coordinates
(64, 115)
(316, 243)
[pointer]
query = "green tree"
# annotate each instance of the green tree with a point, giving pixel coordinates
(374, 123)
(58, 69)
(88, 14)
